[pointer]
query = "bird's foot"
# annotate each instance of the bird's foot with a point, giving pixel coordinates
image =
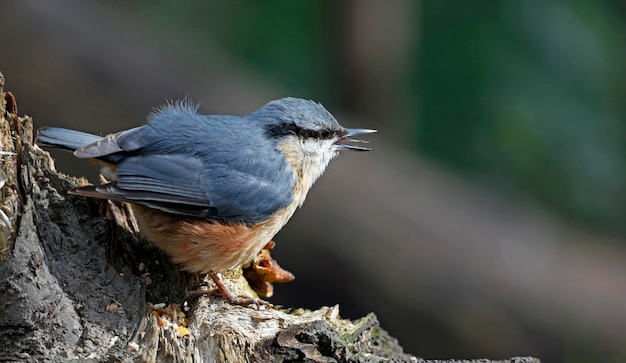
(224, 292)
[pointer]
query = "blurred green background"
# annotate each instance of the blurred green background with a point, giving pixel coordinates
(519, 104)
(526, 94)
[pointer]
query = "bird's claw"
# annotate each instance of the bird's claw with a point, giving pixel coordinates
(228, 296)
(223, 291)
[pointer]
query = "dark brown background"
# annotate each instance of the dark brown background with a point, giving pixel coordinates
(453, 266)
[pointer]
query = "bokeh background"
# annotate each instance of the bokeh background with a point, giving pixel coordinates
(489, 221)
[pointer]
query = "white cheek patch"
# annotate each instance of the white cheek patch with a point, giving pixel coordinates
(309, 159)
(311, 146)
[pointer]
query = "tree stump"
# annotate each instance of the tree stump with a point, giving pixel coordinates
(77, 281)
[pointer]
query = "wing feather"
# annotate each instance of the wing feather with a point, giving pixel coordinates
(185, 163)
(112, 144)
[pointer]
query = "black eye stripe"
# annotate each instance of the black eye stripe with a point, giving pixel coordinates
(317, 134)
(283, 129)
(324, 134)
(289, 128)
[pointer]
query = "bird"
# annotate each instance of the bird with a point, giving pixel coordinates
(212, 190)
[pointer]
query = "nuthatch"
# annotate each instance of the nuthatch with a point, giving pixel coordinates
(212, 190)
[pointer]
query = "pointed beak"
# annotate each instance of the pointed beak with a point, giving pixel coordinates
(348, 138)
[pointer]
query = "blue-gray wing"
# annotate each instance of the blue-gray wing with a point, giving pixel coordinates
(114, 147)
(182, 184)
(185, 163)
(205, 186)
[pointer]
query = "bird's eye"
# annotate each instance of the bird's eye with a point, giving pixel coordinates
(324, 134)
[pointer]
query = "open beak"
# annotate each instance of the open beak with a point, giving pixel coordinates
(347, 138)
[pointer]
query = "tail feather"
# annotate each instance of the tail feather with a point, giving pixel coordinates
(64, 138)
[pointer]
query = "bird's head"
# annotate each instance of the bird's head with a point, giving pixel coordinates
(307, 134)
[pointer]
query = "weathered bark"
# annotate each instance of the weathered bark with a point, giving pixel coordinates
(76, 279)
